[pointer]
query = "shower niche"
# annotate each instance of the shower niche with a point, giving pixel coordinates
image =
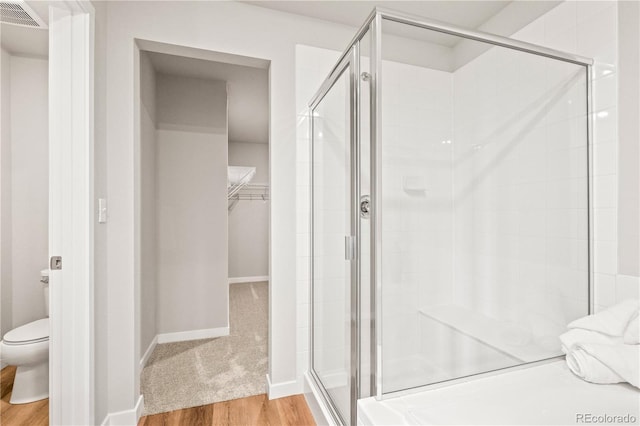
(450, 208)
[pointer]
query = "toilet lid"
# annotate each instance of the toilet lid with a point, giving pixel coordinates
(32, 332)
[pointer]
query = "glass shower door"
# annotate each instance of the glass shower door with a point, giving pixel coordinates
(333, 244)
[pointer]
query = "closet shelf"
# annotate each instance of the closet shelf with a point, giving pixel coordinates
(240, 188)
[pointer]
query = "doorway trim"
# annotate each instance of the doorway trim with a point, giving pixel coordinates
(71, 207)
(192, 52)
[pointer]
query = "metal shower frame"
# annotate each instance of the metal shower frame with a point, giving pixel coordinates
(350, 60)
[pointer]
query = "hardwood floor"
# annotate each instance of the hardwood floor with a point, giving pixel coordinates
(252, 410)
(33, 414)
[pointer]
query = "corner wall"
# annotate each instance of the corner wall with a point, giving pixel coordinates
(191, 205)
(148, 222)
(249, 220)
(629, 142)
(6, 298)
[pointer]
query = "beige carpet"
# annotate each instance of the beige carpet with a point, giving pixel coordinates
(199, 372)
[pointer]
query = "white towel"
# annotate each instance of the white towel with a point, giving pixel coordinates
(612, 321)
(603, 363)
(632, 333)
(577, 336)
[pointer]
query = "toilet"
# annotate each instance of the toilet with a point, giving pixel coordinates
(27, 347)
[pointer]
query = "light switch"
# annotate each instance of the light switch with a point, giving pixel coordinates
(102, 210)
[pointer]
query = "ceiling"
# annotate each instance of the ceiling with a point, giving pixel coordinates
(27, 41)
(247, 91)
(24, 41)
(467, 14)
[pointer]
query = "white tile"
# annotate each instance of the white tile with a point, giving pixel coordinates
(605, 191)
(303, 247)
(605, 224)
(605, 257)
(627, 287)
(303, 268)
(605, 92)
(532, 33)
(303, 150)
(302, 336)
(303, 362)
(303, 174)
(303, 197)
(303, 221)
(586, 9)
(597, 35)
(605, 159)
(605, 289)
(601, 70)
(302, 315)
(601, 50)
(560, 17)
(303, 288)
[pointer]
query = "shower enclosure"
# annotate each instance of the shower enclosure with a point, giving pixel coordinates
(450, 208)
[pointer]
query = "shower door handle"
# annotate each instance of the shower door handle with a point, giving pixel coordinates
(349, 247)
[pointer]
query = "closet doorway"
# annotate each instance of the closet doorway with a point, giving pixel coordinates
(204, 220)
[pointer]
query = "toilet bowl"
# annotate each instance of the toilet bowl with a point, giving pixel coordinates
(27, 347)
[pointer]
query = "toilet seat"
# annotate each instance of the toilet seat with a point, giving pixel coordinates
(33, 332)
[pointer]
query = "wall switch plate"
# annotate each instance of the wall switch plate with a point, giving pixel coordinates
(102, 210)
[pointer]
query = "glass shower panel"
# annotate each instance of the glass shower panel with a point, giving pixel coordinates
(331, 209)
(484, 199)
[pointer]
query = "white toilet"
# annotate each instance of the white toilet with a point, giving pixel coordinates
(27, 347)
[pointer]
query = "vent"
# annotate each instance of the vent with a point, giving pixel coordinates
(18, 13)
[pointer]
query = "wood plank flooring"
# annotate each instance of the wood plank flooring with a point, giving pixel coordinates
(252, 410)
(33, 414)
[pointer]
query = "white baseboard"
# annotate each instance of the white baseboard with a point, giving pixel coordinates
(280, 390)
(257, 279)
(148, 352)
(126, 417)
(182, 336)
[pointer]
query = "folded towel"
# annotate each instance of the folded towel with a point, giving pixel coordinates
(577, 335)
(632, 333)
(612, 321)
(603, 363)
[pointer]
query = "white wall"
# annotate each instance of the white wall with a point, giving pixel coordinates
(101, 270)
(148, 172)
(29, 193)
(191, 227)
(219, 26)
(249, 220)
(629, 132)
(6, 314)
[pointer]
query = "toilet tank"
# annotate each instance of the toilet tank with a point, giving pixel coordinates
(44, 279)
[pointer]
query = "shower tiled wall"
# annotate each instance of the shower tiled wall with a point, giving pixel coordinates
(590, 29)
(417, 206)
(586, 28)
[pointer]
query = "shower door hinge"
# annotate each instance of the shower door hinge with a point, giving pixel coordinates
(349, 247)
(55, 264)
(365, 76)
